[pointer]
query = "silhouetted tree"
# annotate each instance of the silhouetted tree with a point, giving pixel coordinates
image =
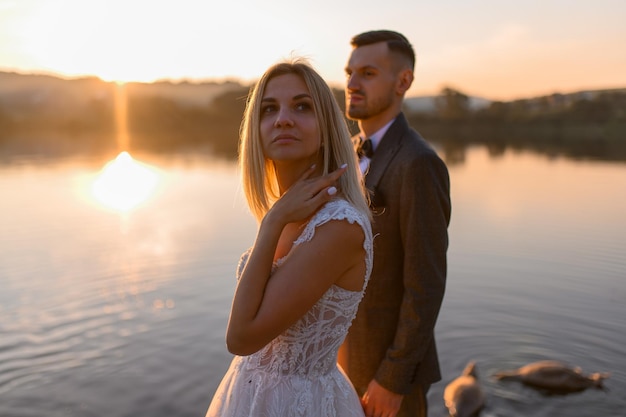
(171, 117)
(452, 105)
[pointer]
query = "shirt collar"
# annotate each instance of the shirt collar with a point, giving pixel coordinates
(377, 136)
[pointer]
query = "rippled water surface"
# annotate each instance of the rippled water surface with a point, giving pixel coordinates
(111, 310)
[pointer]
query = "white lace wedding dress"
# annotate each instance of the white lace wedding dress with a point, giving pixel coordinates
(296, 374)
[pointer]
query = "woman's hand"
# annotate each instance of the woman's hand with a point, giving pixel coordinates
(305, 196)
(261, 311)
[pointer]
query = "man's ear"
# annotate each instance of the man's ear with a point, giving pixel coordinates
(405, 79)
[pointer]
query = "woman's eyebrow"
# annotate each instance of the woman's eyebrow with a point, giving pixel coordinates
(296, 97)
(303, 95)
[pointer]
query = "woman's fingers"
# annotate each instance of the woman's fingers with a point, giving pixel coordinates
(306, 174)
(325, 185)
(332, 177)
(306, 195)
(313, 186)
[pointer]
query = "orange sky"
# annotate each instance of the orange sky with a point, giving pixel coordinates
(491, 48)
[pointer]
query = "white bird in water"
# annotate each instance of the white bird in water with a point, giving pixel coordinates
(464, 396)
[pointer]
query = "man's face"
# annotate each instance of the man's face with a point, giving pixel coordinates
(370, 81)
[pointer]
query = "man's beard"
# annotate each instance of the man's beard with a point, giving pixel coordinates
(369, 110)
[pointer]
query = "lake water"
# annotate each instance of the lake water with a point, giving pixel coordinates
(116, 280)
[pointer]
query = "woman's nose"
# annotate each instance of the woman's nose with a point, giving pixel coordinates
(283, 118)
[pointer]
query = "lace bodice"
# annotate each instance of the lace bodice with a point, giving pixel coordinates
(309, 347)
(296, 374)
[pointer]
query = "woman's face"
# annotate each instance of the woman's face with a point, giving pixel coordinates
(289, 131)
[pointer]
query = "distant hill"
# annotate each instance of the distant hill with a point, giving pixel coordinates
(183, 93)
(34, 88)
(44, 114)
(18, 91)
(426, 104)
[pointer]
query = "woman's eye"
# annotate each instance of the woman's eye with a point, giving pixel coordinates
(303, 106)
(268, 109)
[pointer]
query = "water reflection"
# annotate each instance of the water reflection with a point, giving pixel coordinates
(120, 110)
(91, 311)
(124, 183)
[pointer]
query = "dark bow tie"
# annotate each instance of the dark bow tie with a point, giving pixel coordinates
(366, 149)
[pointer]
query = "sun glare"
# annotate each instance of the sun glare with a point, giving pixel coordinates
(124, 183)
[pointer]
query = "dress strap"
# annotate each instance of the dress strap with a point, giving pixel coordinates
(340, 209)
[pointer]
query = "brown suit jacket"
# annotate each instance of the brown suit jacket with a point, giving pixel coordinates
(392, 337)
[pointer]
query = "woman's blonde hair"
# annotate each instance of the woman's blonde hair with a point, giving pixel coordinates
(258, 173)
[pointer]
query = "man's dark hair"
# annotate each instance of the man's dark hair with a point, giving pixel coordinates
(396, 42)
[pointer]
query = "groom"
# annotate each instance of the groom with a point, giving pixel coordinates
(390, 354)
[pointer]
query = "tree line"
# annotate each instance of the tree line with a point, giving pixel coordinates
(86, 116)
(588, 124)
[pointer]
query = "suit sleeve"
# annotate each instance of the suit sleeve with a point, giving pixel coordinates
(424, 216)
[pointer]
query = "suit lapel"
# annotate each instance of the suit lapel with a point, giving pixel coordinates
(385, 151)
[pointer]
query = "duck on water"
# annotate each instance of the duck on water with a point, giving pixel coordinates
(554, 377)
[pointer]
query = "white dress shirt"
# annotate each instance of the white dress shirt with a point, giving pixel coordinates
(364, 162)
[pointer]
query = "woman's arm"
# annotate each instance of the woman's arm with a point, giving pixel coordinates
(335, 252)
(263, 308)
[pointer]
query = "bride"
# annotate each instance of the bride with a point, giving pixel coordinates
(300, 284)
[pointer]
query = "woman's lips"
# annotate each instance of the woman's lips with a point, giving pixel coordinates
(284, 138)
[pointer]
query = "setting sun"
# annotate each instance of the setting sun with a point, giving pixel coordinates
(124, 183)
